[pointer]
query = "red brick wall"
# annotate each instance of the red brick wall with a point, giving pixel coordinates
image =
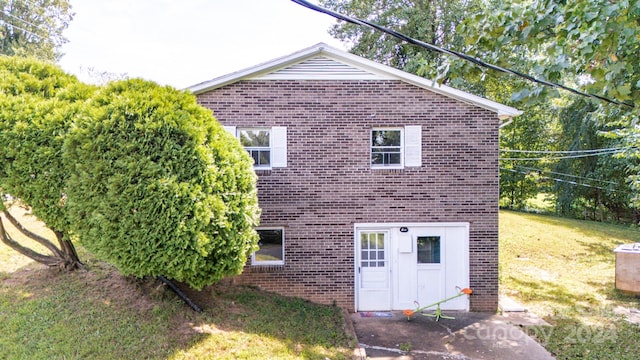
(329, 184)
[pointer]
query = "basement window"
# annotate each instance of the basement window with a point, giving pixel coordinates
(271, 245)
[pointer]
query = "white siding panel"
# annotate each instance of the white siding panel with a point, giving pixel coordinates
(278, 146)
(413, 146)
(320, 68)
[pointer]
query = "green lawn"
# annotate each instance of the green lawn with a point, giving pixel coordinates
(99, 314)
(564, 271)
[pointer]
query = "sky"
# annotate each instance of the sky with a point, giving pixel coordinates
(185, 42)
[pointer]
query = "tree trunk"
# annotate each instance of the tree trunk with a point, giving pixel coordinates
(64, 257)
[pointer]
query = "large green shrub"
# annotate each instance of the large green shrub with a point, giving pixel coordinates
(38, 103)
(158, 187)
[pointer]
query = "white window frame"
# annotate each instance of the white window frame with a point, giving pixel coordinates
(277, 144)
(390, 166)
(255, 262)
(269, 148)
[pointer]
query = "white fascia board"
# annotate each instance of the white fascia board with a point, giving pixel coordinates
(504, 112)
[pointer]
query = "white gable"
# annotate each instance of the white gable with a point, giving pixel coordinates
(321, 68)
(323, 62)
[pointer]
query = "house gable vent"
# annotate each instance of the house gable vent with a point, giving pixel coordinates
(320, 68)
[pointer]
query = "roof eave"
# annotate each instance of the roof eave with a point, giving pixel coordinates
(504, 112)
(256, 70)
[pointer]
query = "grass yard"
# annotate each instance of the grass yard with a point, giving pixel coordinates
(99, 314)
(564, 271)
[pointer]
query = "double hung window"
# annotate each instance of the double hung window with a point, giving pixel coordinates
(386, 148)
(258, 143)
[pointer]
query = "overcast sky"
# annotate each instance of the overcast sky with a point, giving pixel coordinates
(184, 42)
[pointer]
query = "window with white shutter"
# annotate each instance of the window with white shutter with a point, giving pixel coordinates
(267, 146)
(396, 148)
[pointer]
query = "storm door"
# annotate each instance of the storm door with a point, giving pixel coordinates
(373, 275)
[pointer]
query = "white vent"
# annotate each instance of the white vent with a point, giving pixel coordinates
(321, 68)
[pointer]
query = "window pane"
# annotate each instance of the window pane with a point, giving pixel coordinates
(376, 159)
(365, 255)
(264, 157)
(271, 245)
(256, 156)
(429, 250)
(364, 241)
(254, 138)
(385, 137)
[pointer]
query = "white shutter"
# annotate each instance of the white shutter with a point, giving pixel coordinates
(278, 146)
(231, 129)
(413, 146)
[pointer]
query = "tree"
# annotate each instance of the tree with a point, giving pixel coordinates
(38, 103)
(587, 44)
(520, 179)
(34, 27)
(433, 21)
(600, 189)
(158, 187)
(591, 43)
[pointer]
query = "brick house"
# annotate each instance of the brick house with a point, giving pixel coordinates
(378, 188)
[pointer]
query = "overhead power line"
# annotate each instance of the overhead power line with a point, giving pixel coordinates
(457, 54)
(560, 180)
(24, 21)
(608, 152)
(564, 151)
(23, 29)
(564, 174)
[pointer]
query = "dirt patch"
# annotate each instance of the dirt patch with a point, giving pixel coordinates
(106, 285)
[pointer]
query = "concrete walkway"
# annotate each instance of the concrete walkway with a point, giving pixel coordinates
(468, 336)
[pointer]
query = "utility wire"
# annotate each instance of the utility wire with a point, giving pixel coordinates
(24, 21)
(460, 55)
(564, 174)
(25, 30)
(564, 151)
(563, 157)
(561, 180)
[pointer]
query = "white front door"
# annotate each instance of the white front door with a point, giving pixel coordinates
(373, 278)
(418, 267)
